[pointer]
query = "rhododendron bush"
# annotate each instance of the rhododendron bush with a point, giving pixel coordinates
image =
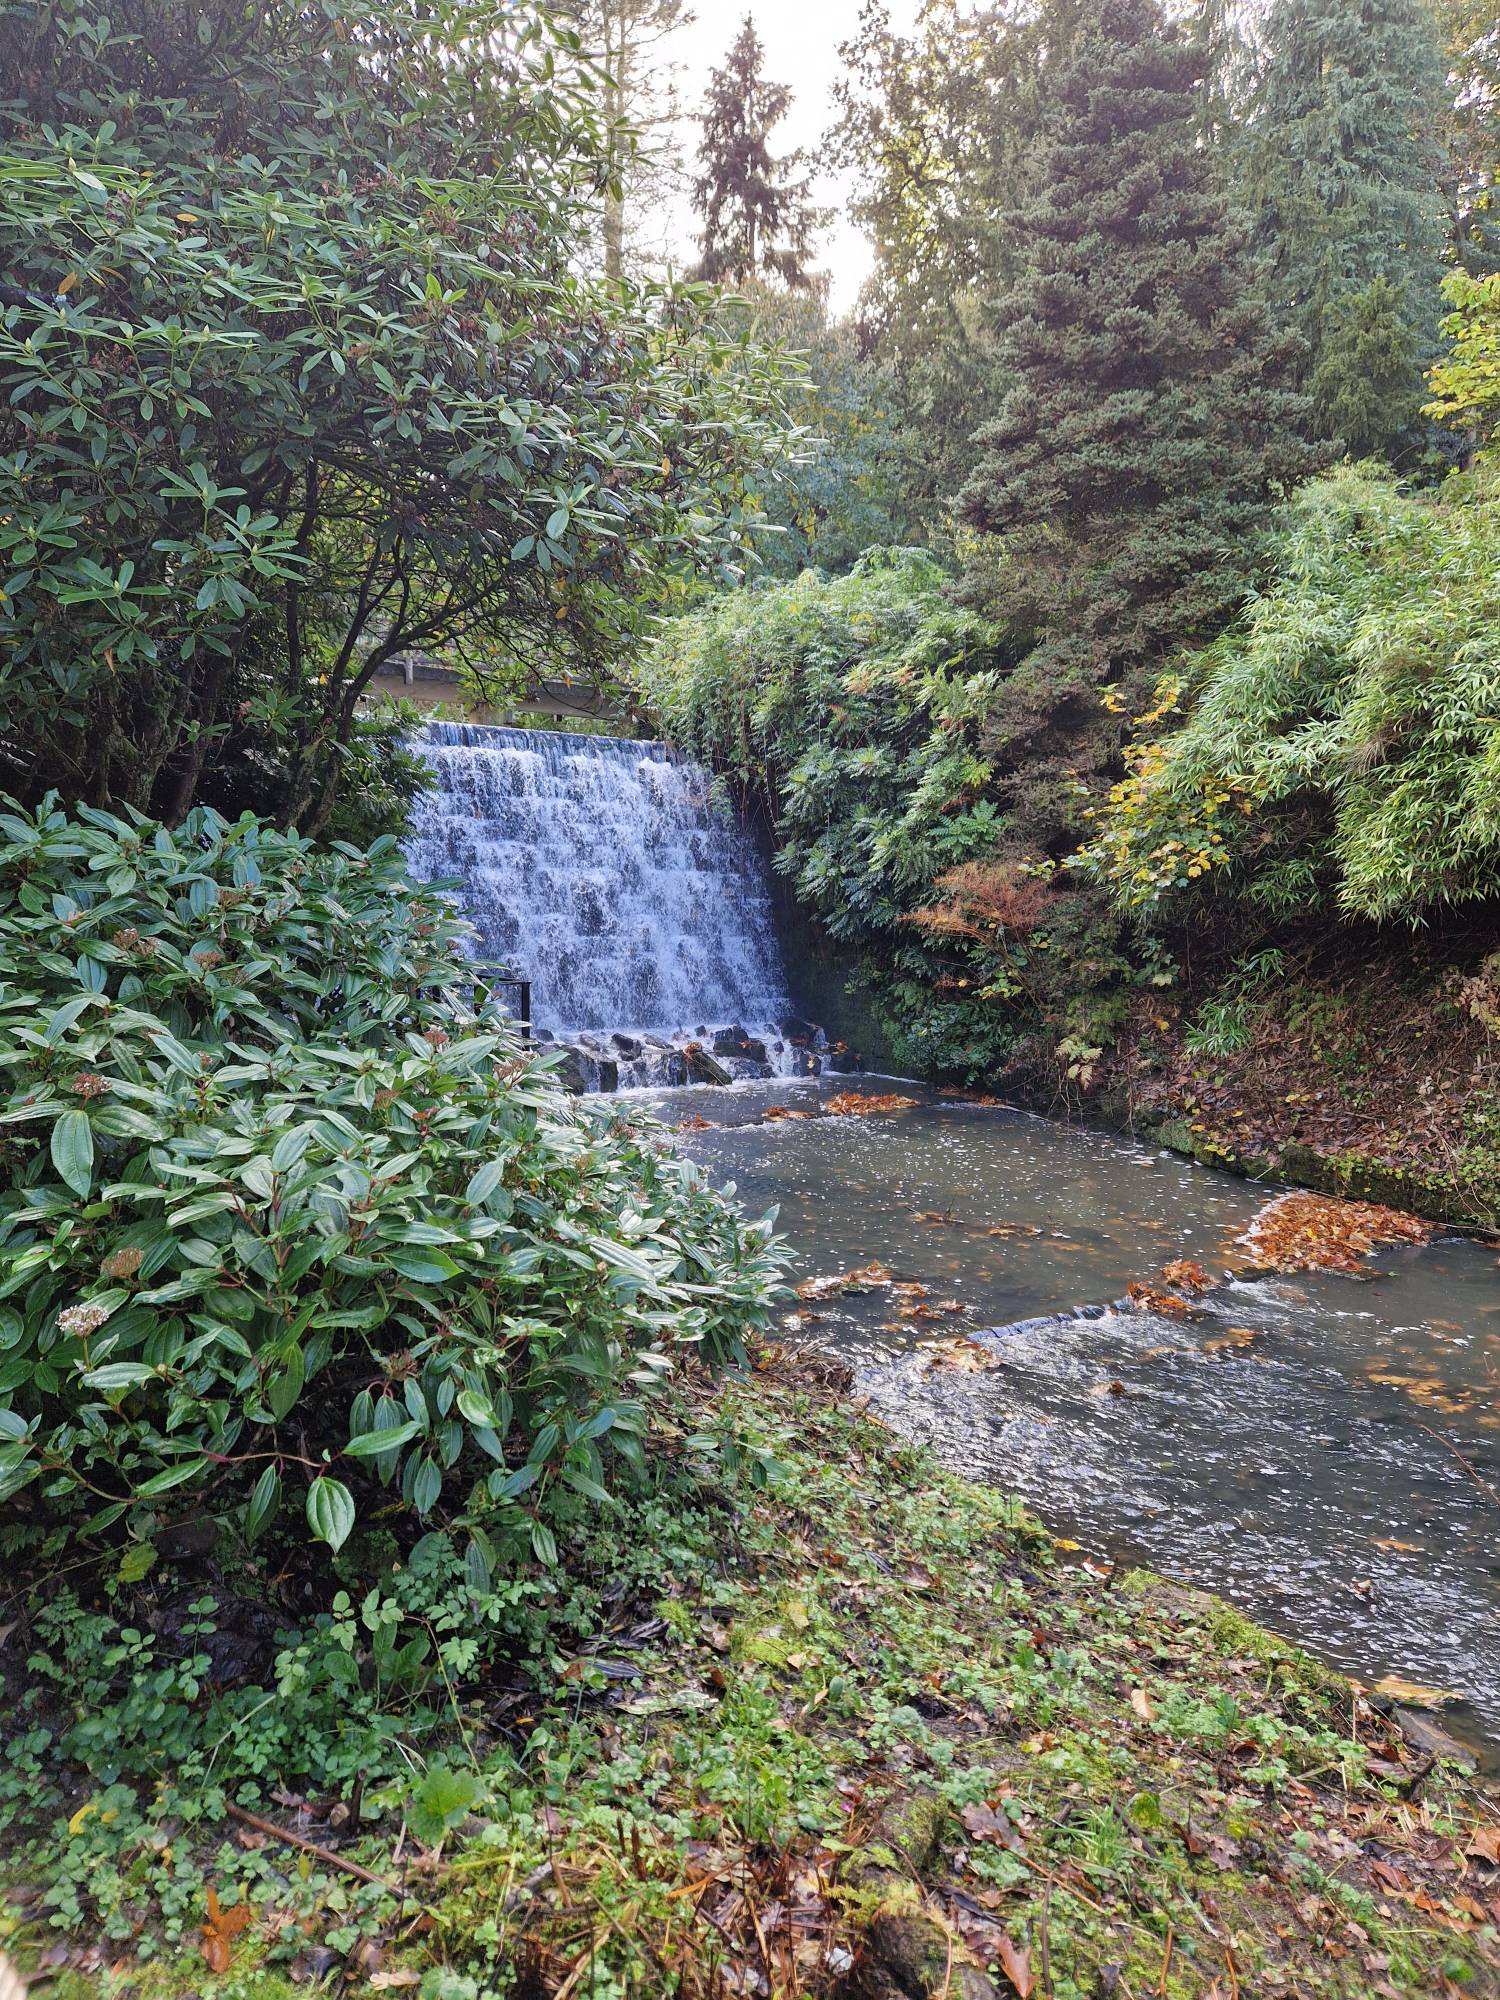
(285, 1219)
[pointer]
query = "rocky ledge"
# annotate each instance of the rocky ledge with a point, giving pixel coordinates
(607, 1061)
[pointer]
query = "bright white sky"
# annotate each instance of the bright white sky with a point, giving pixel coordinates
(801, 39)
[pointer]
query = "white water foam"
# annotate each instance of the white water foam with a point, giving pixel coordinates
(602, 871)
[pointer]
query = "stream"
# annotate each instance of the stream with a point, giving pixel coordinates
(1271, 1448)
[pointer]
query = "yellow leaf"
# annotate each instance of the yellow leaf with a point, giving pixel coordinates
(67, 284)
(796, 1613)
(75, 1824)
(1413, 1692)
(666, 465)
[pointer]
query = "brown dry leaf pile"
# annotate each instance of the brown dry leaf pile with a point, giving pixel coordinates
(1149, 1298)
(1183, 1275)
(859, 1104)
(962, 1356)
(1301, 1231)
(775, 1111)
(863, 1278)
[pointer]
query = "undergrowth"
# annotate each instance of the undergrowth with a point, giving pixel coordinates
(670, 1765)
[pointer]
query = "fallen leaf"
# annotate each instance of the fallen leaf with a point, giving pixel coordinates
(1185, 1276)
(1232, 1337)
(857, 1104)
(1147, 1298)
(962, 1356)
(1015, 1963)
(863, 1278)
(1485, 1845)
(1302, 1231)
(221, 1929)
(1140, 1701)
(1413, 1693)
(982, 1822)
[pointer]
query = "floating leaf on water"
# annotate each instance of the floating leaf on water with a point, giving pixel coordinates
(863, 1278)
(859, 1104)
(1185, 1276)
(964, 1357)
(1302, 1231)
(773, 1112)
(1231, 1337)
(1147, 1298)
(1413, 1693)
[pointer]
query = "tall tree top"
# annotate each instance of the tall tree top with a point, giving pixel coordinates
(1149, 421)
(758, 211)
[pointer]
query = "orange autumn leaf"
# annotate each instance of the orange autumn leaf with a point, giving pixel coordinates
(1185, 1276)
(221, 1929)
(1147, 1298)
(1302, 1231)
(859, 1104)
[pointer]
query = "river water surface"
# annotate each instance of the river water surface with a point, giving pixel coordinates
(1285, 1446)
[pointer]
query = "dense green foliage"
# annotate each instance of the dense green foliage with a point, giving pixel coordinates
(278, 1211)
(858, 708)
(934, 125)
(1343, 743)
(296, 373)
(1466, 381)
(850, 490)
(1343, 171)
(1150, 421)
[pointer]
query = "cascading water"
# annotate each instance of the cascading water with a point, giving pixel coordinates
(601, 870)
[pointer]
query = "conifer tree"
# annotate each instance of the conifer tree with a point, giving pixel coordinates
(1367, 385)
(1120, 491)
(1342, 174)
(758, 215)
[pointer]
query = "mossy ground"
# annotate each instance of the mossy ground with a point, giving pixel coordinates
(876, 1732)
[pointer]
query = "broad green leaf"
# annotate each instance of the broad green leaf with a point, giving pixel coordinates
(73, 1150)
(330, 1511)
(120, 1375)
(370, 1444)
(263, 1503)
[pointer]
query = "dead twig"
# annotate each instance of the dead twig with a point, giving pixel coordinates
(324, 1854)
(1478, 1479)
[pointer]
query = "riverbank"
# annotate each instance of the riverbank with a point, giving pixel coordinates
(1340, 1068)
(855, 1727)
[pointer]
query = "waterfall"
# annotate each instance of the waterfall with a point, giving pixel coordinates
(602, 870)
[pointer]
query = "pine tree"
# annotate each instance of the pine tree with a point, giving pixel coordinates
(1343, 172)
(1367, 386)
(758, 216)
(1120, 492)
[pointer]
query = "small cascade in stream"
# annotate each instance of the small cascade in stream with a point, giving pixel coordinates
(601, 870)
